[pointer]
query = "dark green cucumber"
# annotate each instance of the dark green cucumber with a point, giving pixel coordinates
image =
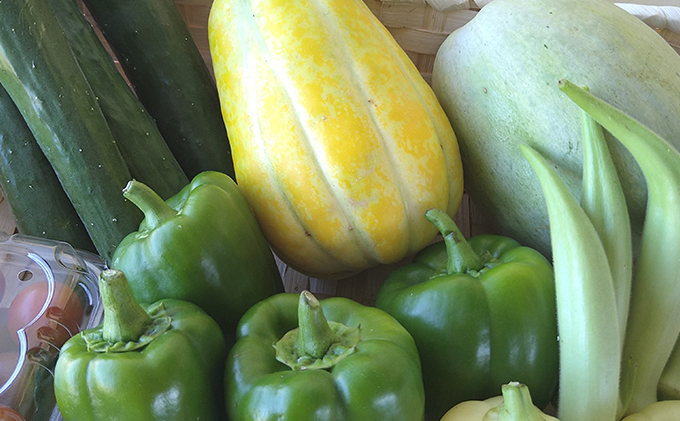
(40, 73)
(31, 187)
(140, 142)
(163, 64)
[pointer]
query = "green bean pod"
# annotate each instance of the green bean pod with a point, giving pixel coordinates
(653, 325)
(590, 357)
(603, 201)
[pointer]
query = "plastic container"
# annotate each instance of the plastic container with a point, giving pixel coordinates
(48, 292)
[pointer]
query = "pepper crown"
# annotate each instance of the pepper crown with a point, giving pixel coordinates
(126, 324)
(316, 343)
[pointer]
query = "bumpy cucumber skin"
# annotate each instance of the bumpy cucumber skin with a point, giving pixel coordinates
(140, 142)
(36, 200)
(164, 66)
(44, 80)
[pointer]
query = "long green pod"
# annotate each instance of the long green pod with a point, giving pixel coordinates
(653, 322)
(669, 384)
(140, 142)
(603, 201)
(590, 357)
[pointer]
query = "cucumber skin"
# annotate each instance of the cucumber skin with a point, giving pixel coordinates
(44, 80)
(30, 186)
(163, 64)
(140, 142)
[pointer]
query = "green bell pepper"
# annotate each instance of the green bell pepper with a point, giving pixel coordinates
(482, 314)
(162, 362)
(202, 245)
(331, 360)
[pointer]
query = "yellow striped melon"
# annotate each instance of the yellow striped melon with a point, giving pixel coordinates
(338, 143)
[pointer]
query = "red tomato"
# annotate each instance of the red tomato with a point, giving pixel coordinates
(8, 414)
(56, 325)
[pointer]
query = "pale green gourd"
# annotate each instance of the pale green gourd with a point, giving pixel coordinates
(496, 79)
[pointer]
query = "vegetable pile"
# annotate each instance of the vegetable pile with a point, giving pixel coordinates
(339, 157)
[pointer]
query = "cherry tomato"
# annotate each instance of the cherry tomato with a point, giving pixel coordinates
(56, 325)
(8, 414)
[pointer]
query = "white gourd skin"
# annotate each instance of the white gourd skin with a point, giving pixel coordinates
(496, 78)
(338, 143)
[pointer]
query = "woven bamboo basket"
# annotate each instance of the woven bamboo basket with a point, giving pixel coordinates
(420, 29)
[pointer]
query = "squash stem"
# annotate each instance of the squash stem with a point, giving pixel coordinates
(461, 257)
(156, 211)
(124, 319)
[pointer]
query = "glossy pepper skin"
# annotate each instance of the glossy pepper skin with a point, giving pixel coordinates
(202, 245)
(161, 362)
(364, 367)
(482, 313)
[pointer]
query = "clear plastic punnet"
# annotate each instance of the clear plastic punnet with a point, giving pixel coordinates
(48, 293)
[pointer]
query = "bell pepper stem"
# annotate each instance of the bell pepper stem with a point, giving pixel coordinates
(315, 335)
(461, 256)
(517, 405)
(148, 201)
(124, 319)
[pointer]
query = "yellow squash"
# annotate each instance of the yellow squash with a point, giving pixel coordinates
(338, 143)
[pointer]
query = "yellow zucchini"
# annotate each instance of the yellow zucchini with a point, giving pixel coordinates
(338, 143)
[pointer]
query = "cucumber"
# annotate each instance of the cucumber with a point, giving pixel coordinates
(140, 142)
(163, 64)
(30, 185)
(40, 73)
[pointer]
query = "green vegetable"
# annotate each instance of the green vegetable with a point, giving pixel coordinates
(332, 360)
(653, 325)
(30, 185)
(161, 362)
(168, 73)
(603, 202)
(482, 313)
(495, 78)
(202, 246)
(669, 384)
(141, 144)
(48, 87)
(590, 343)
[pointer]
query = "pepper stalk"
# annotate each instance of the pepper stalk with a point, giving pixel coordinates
(316, 343)
(124, 319)
(517, 405)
